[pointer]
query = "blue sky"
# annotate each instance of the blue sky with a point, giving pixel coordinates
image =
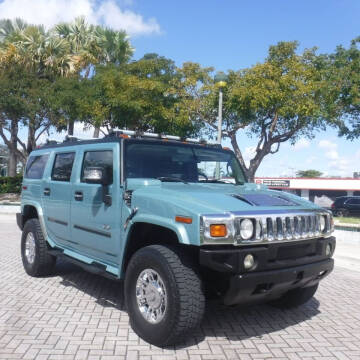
(225, 34)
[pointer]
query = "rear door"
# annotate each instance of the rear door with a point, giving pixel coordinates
(95, 225)
(56, 197)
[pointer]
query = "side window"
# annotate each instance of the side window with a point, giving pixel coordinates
(102, 159)
(35, 166)
(62, 167)
(354, 202)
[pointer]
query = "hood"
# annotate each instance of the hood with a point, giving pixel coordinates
(220, 198)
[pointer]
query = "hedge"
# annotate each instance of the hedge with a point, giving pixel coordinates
(10, 184)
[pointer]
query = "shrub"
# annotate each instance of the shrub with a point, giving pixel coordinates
(10, 184)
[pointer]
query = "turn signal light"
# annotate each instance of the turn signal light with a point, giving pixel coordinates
(218, 230)
(183, 219)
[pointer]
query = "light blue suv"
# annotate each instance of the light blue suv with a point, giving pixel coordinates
(177, 221)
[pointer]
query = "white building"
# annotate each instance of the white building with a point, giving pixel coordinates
(322, 191)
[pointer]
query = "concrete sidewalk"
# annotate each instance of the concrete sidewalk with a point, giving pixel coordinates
(76, 315)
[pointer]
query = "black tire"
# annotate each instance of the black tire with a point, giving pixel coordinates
(342, 213)
(295, 298)
(184, 295)
(43, 263)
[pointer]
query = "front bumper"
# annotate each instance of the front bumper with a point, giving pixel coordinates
(278, 268)
(268, 285)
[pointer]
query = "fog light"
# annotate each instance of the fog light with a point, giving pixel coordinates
(249, 261)
(328, 250)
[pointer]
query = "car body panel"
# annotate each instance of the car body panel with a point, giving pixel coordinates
(97, 232)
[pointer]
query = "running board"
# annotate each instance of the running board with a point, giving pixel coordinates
(95, 267)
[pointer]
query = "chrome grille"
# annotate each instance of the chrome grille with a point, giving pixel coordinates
(286, 227)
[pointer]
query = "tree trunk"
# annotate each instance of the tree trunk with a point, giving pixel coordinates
(71, 127)
(12, 163)
(13, 148)
(31, 143)
(96, 132)
(251, 176)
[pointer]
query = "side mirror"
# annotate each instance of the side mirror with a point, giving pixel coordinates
(96, 175)
(99, 175)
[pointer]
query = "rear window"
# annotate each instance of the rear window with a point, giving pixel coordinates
(35, 166)
(62, 167)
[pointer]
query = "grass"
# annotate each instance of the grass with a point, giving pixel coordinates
(348, 220)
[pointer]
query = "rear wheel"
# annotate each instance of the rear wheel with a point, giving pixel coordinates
(163, 294)
(34, 250)
(296, 297)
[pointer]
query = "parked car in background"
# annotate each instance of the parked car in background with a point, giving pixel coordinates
(346, 205)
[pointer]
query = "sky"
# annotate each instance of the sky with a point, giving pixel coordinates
(225, 34)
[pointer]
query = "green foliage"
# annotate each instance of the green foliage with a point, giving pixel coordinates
(275, 101)
(344, 84)
(308, 173)
(150, 94)
(10, 184)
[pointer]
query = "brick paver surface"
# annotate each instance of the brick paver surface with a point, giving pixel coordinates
(77, 315)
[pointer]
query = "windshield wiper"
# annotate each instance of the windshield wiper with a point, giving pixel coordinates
(171, 179)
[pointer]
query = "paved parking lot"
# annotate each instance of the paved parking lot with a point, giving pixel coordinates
(76, 315)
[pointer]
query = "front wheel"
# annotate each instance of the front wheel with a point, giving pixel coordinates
(163, 294)
(34, 250)
(295, 297)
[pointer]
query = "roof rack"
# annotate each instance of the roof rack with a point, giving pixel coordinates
(139, 134)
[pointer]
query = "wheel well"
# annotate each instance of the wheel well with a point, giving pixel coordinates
(29, 212)
(144, 234)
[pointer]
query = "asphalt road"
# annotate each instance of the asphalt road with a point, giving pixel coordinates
(77, 315)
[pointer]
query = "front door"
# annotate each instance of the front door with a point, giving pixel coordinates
(353, 205)
(96, 225)
(56, 197)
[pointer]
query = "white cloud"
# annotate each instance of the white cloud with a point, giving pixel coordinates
(326, 144)
(301, 144)
(249, 154)
(331, 149)
(107, 12)
(332, 155)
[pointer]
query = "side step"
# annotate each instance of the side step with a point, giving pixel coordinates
(94, 267)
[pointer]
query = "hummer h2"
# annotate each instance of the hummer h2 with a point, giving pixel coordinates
(177, 220)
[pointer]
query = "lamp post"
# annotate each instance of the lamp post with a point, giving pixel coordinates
(220, 81)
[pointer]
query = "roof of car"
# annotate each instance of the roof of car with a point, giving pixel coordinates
(111, 138)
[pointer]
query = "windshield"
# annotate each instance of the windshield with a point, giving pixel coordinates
(186, 163)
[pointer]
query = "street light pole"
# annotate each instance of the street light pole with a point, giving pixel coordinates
(220, 115)
(220, 81)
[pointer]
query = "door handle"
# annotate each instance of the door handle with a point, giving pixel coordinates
(78, 196)
(47, 192)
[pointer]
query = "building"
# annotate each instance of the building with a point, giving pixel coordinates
(321, 191)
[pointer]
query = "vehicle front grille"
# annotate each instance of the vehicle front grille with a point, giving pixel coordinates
(286, 227)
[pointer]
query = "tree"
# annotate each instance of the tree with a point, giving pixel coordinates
(94, 45)
(308, 173)
(33, 62)
(276, 101)
(343, 72)
(150, 94)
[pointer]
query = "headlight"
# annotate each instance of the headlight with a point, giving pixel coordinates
(246, 229)
(322, 223)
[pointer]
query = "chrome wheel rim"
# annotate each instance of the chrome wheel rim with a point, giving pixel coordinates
(30, 248)
(151, 296)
